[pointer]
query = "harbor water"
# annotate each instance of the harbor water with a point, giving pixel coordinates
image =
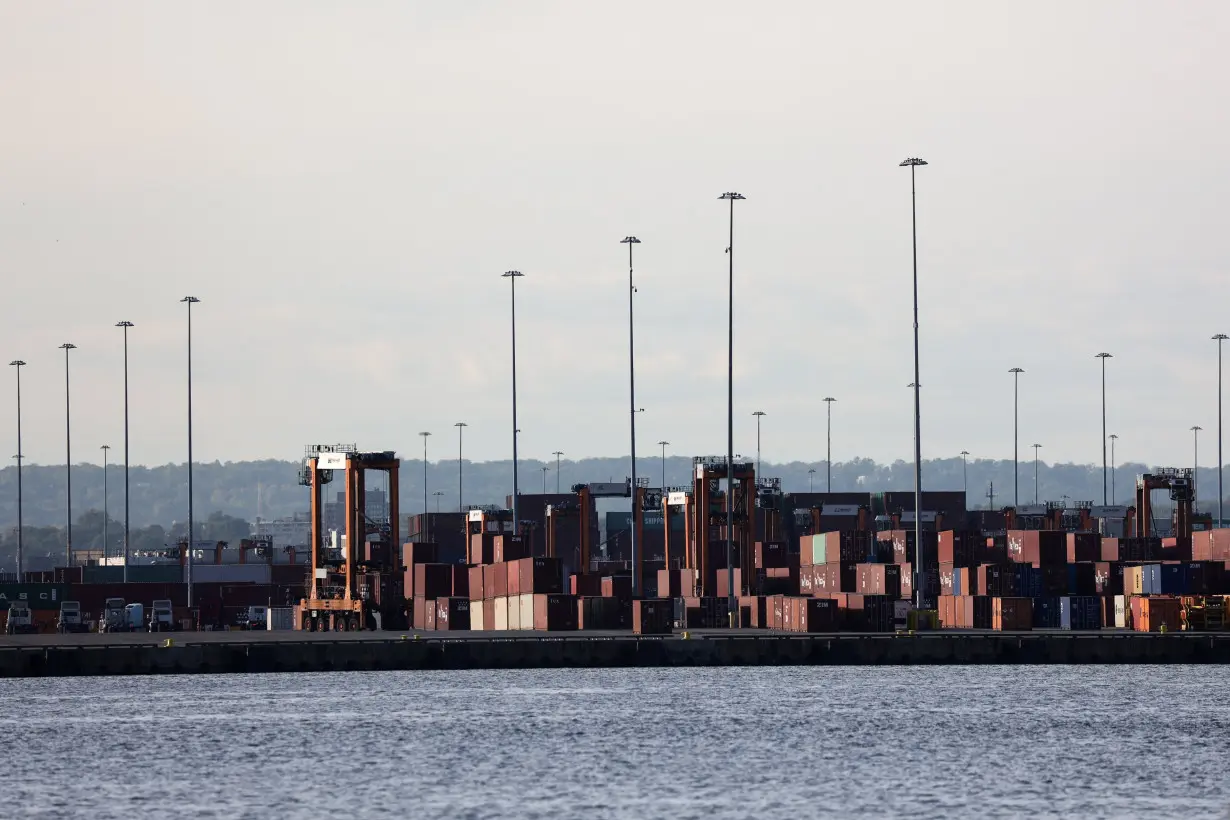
(919, 742)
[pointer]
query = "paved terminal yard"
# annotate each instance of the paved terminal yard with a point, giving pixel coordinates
(219, 652)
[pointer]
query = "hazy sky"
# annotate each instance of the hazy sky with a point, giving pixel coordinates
(342, 185)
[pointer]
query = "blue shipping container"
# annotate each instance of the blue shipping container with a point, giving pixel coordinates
(1046, 613)
(956, 582)
(1080, 612)
(1151, 579)
(1174, 579)
(1027, 581)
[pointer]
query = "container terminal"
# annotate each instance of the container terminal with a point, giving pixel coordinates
(799, 578)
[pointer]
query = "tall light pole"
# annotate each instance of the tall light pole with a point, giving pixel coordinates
(125, 325)
(1104, 357)
(21, 555)
(1113, 438)
(828, 437)
(1195, 461)
(557, 454)
(1016, 471)
(1219, 338)
(811, 484)
(104, 449)
(965, 474)
(663, 444)
(1036, 448)
(545, 469)
(426, 518)
(759, 414)
(461, 425)
(730, 415)
(437, 494)
(912, 163)
(68, 458)
(512, 276)
(190, 301)
(636, 580)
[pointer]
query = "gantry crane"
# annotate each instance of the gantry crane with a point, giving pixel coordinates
(1178, 480)
(709, 508)
(677, 497)
(333, 603)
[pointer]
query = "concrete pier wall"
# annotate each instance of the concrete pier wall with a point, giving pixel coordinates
(62, 656)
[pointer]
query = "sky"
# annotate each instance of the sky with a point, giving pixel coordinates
(341, 185)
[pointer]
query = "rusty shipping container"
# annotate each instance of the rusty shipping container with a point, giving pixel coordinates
(1150, 614)
(1084, 546)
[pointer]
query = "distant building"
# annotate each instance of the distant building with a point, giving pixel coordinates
(295, 531)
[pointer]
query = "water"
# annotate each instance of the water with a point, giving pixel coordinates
(622, 743)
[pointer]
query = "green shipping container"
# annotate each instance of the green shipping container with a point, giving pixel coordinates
(817, 549)
(36, 596)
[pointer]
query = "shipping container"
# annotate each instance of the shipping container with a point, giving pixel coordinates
(1084, 547)
(960, 548)
(597, 612)
(771, 554)
(651, 616)
(452, 614)
(477, 576)
(35, 596)
(867, 613)
(616, 586)
(415, 553)
(587, 584)
(510, 548)
(554, 612)
(757, 616)
(1037, 547)
(433, 580)
(1012, 614)
(279, 618)
(526, 601)
(1080, 612)
(1150, 614)
(478, 613)
(879, 579)
(1046, 612)
(499, 614)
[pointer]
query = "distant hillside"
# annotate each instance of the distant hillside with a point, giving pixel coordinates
(270, 489)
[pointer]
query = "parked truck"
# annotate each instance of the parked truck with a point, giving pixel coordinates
(255, 617)
(71, 619)
(114, 618)
(162, 616)
(134, 618)
(21, 619)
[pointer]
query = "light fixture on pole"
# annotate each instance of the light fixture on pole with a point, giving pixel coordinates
(18, 364)
(663, 444)
(912, 163)
(557, 454)
(759, 414)
(1219, 338)
(636, 546)
(1113, 438)
(1036, 448)
(1195, 462)
(1104, 357)
(811, 484)
(730, 414)
(461, 425)
(125, 325)
(545, 469)
(190, 301)
(828, 438)
(965, 474)
(1016, 470)
(512, 276)
(426, 517)
(68, 458)
(437, 494)
(106, 515)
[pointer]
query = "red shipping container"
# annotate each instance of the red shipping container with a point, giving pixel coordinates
(1012, 614)
(512, 575)
(817, 615)
(476, 581)
(879, 579)
(806, 577)
(587, 584)
(960, 548)
(1108, 580)
(1084, 546)
(723, 582)
(510, 548)
(418, 613)
(495, 581)
(1202, 545)
(677, 583)
(775, 610)
(805, 550)
(1151, 614)
(539, 575)
(461, 581)
(907, 582)
(489, 613)
(946, 579)
(867, 613)
(482, 549)
(452, 614)
(617, 586)
(757, 615)
(407, 576)
(414, 553)
(1037, 547)
(433, 580)
(771, 554)
(555, 612)
(1221, 545)
(652, 616)
(429, 616)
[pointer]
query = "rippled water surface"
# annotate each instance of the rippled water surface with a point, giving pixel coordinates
(625, 743)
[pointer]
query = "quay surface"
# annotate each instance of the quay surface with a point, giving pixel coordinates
(221, 652)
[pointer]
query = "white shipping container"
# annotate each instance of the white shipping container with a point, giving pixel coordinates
(280, 617)
(527, 611)
(476, 616)
(513, 602)
(501, 614)
(1121, 611)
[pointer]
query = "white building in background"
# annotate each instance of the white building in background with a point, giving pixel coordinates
(295, 531)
